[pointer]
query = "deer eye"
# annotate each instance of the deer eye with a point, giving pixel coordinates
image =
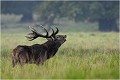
(58, 37)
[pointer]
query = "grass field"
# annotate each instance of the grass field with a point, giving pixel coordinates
(83, 55)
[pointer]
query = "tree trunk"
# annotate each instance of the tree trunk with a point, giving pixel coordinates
(27, 17)
(107, 25)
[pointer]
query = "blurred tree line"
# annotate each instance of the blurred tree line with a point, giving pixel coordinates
(26, 8)
(106, 13)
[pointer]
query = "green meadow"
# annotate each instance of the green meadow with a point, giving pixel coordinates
(85, 55)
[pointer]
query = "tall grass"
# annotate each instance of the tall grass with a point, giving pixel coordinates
(83, 55)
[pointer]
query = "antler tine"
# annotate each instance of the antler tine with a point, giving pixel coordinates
(32, 35)
(32, 29)
(29, 38)
(47, 34)
(57, 30)
(54, 33)
(35, 34)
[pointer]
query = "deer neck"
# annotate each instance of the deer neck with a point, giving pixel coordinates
(52, 44)
(52, 48)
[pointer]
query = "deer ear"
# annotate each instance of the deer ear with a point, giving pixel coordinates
(50, 38)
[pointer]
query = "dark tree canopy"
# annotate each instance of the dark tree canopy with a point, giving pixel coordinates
(106, 13)
(101, 11)
(16, 7)
(25, 8)
(80, 10)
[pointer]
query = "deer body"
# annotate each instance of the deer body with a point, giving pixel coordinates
(37, 53)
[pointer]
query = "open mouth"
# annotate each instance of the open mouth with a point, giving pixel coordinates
(65, 40)
(65, 36)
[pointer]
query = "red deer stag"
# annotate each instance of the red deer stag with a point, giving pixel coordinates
(38, 53)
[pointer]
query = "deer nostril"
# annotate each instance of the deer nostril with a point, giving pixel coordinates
(65, 36)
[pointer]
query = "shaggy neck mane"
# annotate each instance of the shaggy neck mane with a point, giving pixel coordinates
(50, 44)
(52, 47)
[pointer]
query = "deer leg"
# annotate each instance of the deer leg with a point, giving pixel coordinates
(42, 61)
(39, 61)
(22, 60)
(14, 61)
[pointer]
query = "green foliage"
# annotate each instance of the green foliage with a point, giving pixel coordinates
(79, 10)
(24, 8)
(83, 55)
(104, 9)
(49, 8)
(76, 10)
(17, 7)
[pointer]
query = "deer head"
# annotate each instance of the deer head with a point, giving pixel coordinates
(53, 37)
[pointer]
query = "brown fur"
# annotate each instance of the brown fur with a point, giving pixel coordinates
(37, 53)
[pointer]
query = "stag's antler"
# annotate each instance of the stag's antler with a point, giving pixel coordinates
(35, 34)
(54, 33)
